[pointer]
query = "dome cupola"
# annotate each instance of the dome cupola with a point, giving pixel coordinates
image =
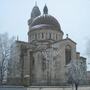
(45, 21)
(35, 11)
(43, 28)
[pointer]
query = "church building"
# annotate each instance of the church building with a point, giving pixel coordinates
(42, 60)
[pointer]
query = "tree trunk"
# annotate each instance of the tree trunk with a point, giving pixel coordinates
(72, 86)
(76, 86)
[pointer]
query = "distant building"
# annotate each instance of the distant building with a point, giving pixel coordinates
(42, 60)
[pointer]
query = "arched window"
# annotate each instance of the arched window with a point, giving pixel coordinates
(46, 36)
(49, 35)
(35, 36)
(38, 35)
(56, 36)
(42, 35)
(68, 54)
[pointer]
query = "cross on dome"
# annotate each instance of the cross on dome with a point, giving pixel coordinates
(35, 3)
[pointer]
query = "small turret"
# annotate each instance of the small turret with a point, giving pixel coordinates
(35, 11)
(45, 10)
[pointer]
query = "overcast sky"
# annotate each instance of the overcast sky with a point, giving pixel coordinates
(73, 16)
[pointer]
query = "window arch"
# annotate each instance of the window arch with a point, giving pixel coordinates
(68, 54)
(56, 36)
(49, 35)
(38, 35)
(42, 35)
(35, 36)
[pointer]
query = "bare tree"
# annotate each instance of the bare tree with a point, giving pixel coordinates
(88, 51)
(5, 44)
(88, 48)
(74, 73)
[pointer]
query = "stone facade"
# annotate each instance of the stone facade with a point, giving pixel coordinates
(42, 60)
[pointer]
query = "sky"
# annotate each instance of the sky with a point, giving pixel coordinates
(73, 16)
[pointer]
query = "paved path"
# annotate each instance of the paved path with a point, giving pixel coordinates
(12, 88)
(44, 88)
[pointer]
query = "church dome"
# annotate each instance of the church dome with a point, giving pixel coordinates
(46, 20)
(44, 28)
